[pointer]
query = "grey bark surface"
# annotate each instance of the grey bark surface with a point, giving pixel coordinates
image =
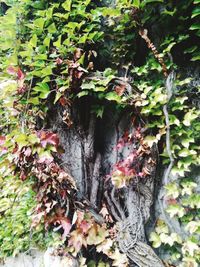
(89, 154)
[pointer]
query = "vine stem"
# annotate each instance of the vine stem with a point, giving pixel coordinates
(169, 87)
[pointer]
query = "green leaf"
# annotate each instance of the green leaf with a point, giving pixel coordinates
(186, 142)
(58, 42)
(33, 40)
(188, 187)
(34, 100)
(39, 23)
(136, 3)
(47, 40)
(155, 238)
(58, 95)
(47, 71)
(195, 12)
(189, 117)
(186, 152)
(88, 86)
(67, 5)
(52, 28)
(145, 2)
(172, 190)
(195, 26)
(21, 140)
(83, 38)
(33, 139)
(112, 96)
(150, 140)
(82, 93)
(195, 58)
(175, 210)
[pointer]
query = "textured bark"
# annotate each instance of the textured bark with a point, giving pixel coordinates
(89, 155)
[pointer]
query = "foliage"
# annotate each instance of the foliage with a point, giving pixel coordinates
(57, 52)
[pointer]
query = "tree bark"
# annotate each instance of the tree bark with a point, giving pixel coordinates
(89, 155)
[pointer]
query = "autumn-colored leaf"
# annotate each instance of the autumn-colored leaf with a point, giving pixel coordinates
(59, 61)
(20, 74)
(2, 140)
(11, 70)
(85, 226)
(66, 225)
(77, 240)
(48, 138)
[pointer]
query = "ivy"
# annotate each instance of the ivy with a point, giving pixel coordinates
(49, 50)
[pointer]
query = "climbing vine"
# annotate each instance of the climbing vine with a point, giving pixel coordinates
(54, 54)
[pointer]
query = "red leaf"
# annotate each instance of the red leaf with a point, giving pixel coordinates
(85, 226)
(63, 101)
(59, 61)
(48, 138)
(2, 140)
(22, 89)
(11, 70)
(23, 176)
(20, 74)
(27, 152)
(66, 225)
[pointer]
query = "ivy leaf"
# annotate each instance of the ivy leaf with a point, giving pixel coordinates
(52, 28)
(45, 157)
(66, 225)
(155, 238)
(67, 5)
(58, 42)
(188, 187)
(136, 3)
(47, 71)
(186, 152)
(186, 142)
(119, 259)
(88, 86)
(172, 190)
(33, 40)
(33, 139)
(189, 117)
(96, 235)
(82, 93)
(11, 70)
(47, 40)
(21, 140)
(2, 140)
(195, 12)
(175, 210)
(58, 96)
(150, 140)
(190, 247)
(193, 227)
(178, 171)
(76, 240)
(43, 88)
(48, 138)
(195, 26)
(112, 96)
(39, 23)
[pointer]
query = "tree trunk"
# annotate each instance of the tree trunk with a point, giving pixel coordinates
(89, 155)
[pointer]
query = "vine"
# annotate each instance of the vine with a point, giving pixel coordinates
(55, 54)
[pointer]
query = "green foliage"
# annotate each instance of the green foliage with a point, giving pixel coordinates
(17, 205)
(44, 47)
